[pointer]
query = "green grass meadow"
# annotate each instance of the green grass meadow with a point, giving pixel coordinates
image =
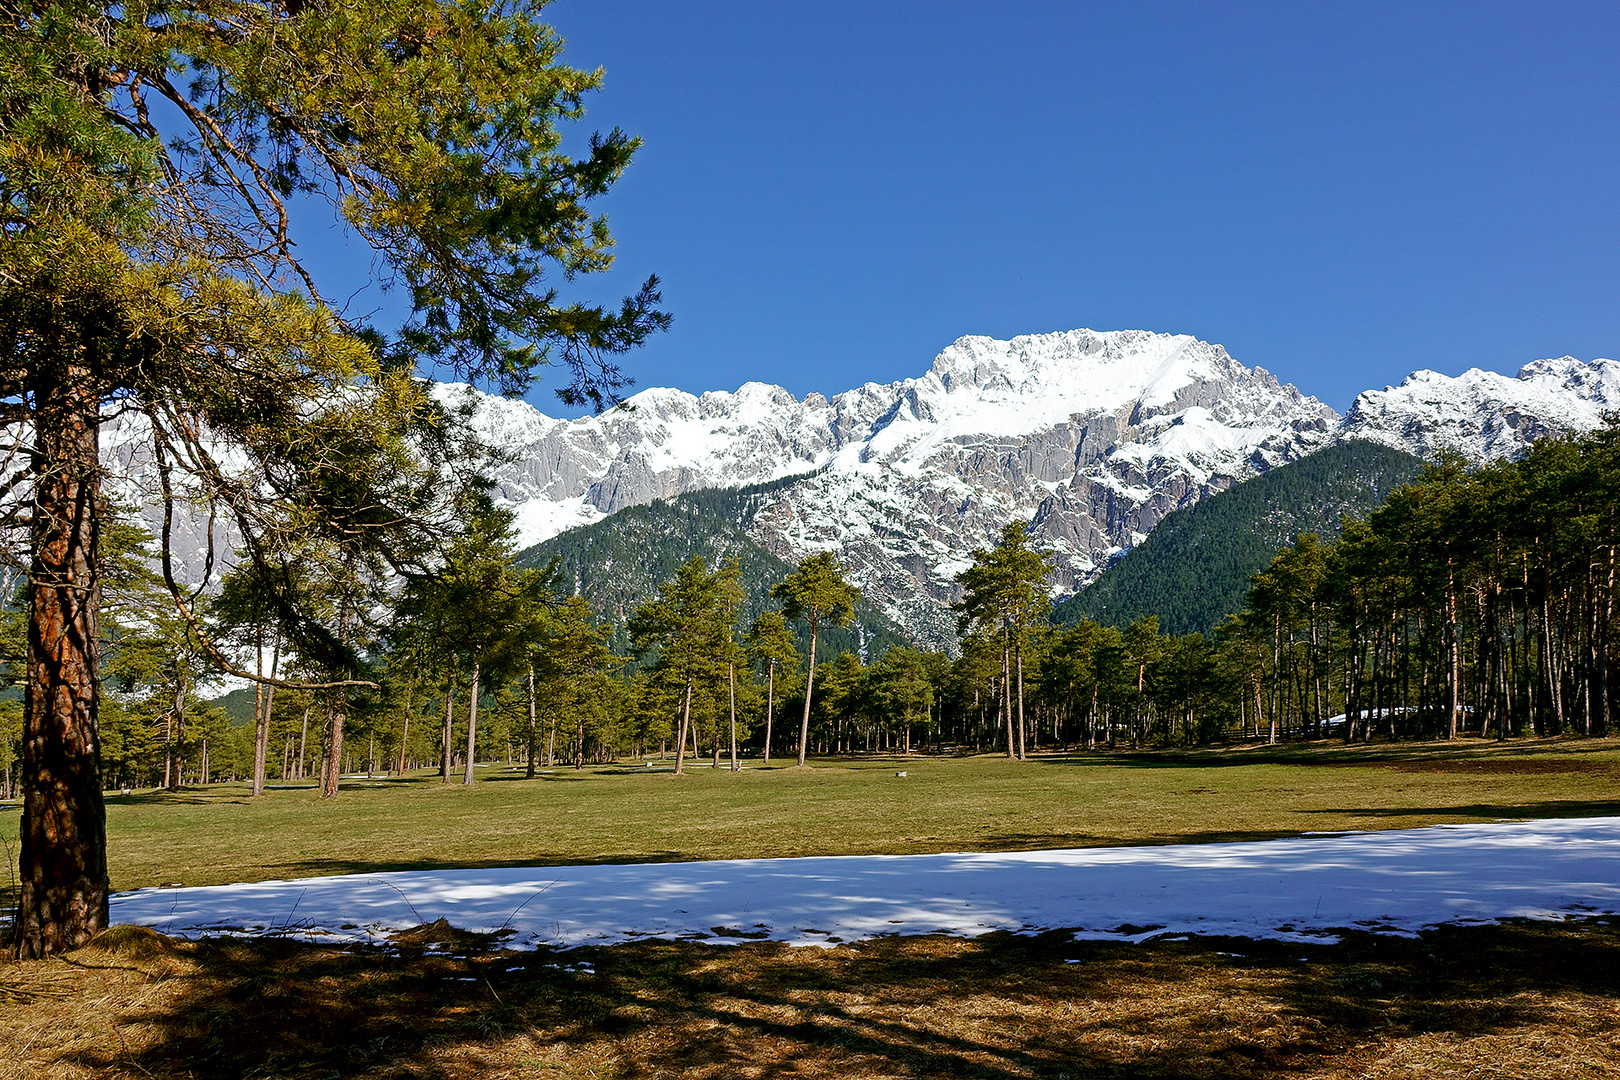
(634, 812)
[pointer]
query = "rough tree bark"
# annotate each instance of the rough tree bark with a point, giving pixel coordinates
(63, 898)
(336, 716)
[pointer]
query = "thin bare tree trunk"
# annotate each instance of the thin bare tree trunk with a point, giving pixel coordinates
(449, 721)
(261, 726)
(1006, 696)
(579, 738)
(177, 710)
(732, 674)
(303, 739)
(686, 718)
(770, 703)
(264, 697)
(1019, 652)
(405, 723)
(809, 681)
(472, 725)
(337, 714)
(529, 773)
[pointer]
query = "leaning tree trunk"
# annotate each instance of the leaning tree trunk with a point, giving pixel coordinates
(686, 720)
(405, 724)
(770, 703)
(809, 681)
(63, 865)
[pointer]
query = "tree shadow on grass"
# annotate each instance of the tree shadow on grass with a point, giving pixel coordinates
(1549, 754)
(438, 1004)
(1551, 808)
(322, 867)
(1045, 841)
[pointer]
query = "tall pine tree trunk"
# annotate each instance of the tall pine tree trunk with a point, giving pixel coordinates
(1022, 729)
(405, 724)
(1006, 695)
(770, 703)
(472, 725)
(264, 697)
(686, 718)
(337, 714)
(63, 865)
(303, 739)
(731, 673)
(335, 719)
(529, 772)
(809, 681)
(260, 729)
(449, 722)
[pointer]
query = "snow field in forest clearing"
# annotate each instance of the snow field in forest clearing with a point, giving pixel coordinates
(1304, 888)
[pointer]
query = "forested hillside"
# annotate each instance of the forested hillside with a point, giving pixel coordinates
(619, 562)
(1195, 568)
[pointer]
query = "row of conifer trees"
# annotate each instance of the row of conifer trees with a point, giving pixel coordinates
(1475, 600)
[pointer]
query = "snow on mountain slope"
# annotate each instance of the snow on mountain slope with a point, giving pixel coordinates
(1484, 415)
(1092, 436)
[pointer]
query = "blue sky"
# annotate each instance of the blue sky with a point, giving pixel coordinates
(1341, 193)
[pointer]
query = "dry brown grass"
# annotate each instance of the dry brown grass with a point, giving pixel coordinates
(1522, 1000)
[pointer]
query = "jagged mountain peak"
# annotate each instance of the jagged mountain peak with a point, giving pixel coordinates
(1486, 415)
(1090, 436)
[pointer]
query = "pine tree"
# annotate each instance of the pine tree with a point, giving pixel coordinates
(770, 645)
(573, 664)
(1004, 592)
(689, 625)
(151, 156)
(818, 595)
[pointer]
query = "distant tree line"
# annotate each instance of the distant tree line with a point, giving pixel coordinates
(1474, 600)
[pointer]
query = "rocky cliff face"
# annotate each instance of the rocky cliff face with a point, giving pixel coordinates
(1091, 436)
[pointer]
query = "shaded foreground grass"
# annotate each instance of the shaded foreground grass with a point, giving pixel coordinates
(633, 813)
(1518, 1000)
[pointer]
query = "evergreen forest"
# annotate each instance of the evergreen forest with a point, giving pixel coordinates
(1195, 567)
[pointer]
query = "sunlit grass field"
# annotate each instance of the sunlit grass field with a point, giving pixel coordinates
(641, 812)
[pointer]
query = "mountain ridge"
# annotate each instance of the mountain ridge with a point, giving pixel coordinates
(1090, 436)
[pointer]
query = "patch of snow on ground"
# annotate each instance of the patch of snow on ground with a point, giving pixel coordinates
(1304, 888)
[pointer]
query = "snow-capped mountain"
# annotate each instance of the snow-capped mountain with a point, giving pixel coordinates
(1484, 415)
(1091, 436)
